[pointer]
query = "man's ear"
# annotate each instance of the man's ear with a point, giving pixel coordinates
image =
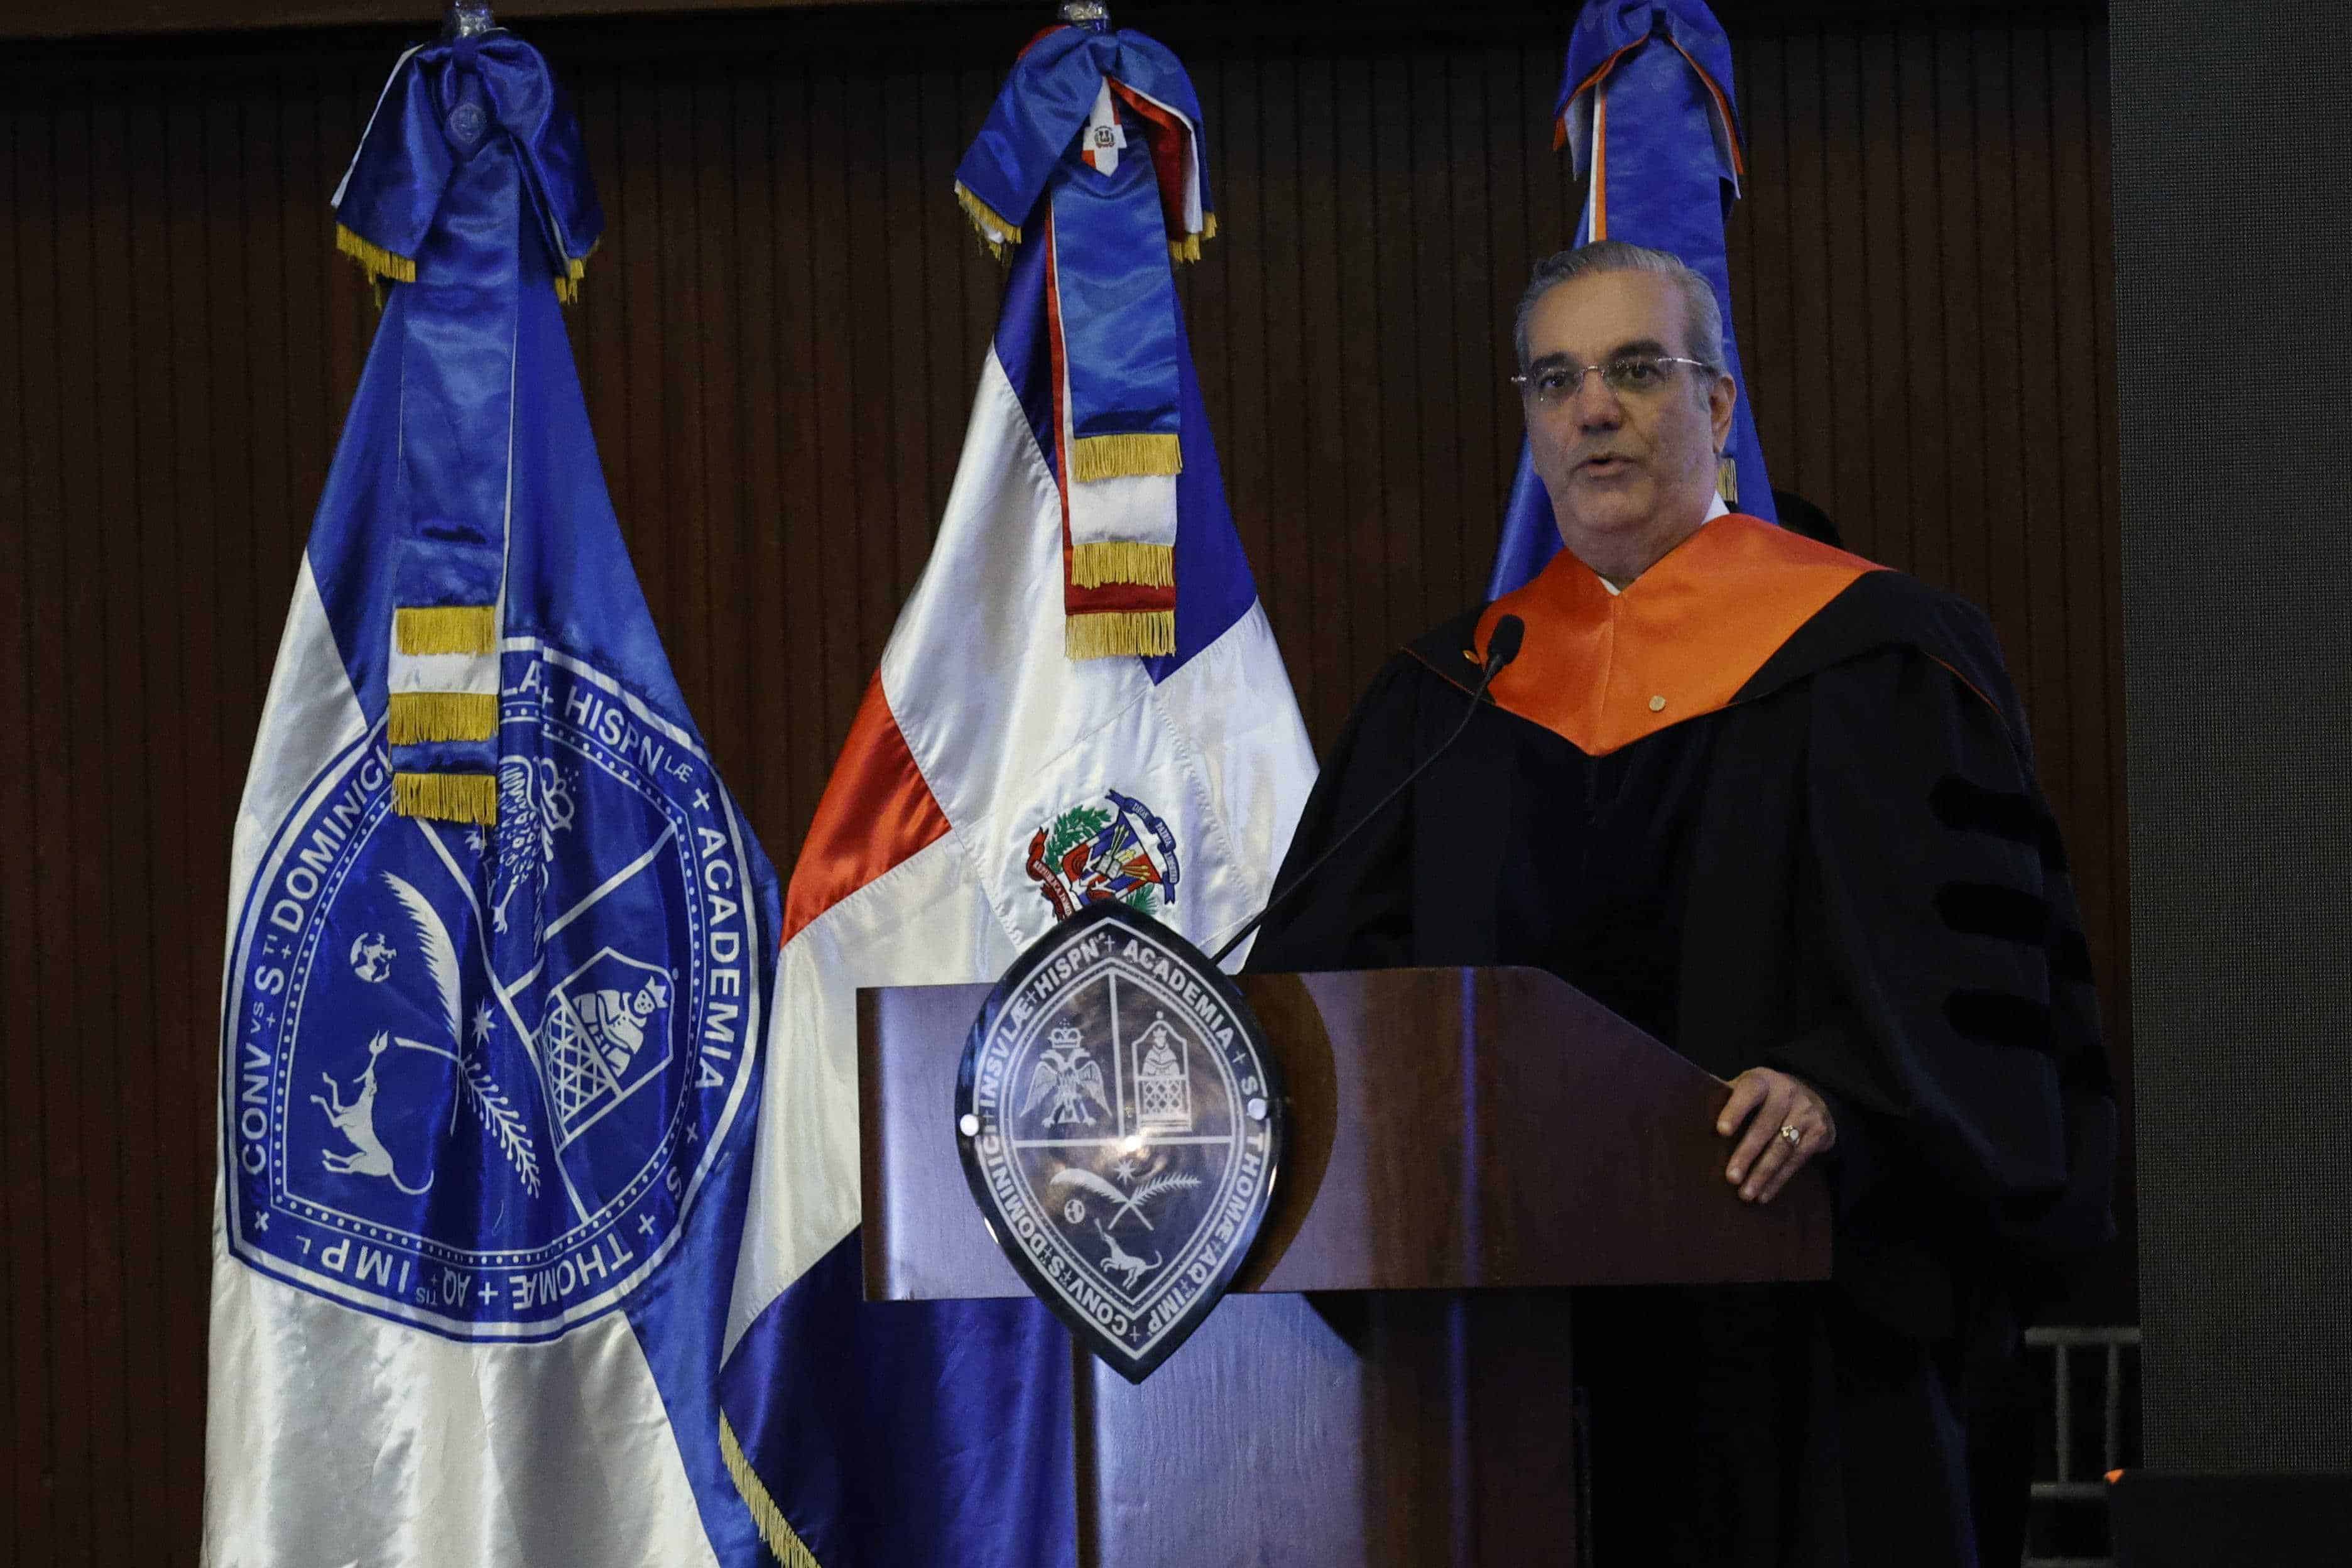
(1720, 398)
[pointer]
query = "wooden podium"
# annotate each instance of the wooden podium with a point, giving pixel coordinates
(1389, 1381)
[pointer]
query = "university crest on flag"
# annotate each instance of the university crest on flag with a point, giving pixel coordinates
(483, 1124)
(501, 943)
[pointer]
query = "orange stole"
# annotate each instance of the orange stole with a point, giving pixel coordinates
(1603, 670)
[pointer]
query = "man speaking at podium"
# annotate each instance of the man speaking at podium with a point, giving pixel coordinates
(1776, 806)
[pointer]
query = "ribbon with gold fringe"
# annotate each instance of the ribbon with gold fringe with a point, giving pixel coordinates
(451, 797)
(427, 198)
(996, 231)
(1149, 633)
(445, 628)
(375, 259)
(1094, 458)
(1097, 565)
(1095, 142)
(1053, 114)
(416, 145)
(416, 717)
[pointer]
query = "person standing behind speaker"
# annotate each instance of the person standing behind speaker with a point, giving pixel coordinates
(1776, 806)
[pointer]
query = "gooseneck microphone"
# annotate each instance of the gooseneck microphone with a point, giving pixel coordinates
(1501, 647)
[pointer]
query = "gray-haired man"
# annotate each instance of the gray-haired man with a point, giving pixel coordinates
(1776, 806)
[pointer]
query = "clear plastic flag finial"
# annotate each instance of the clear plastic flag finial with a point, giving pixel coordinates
(468, 19)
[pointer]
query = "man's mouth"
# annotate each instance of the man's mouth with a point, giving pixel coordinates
(1607, 465)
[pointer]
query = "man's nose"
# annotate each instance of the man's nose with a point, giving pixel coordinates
(1597, 407)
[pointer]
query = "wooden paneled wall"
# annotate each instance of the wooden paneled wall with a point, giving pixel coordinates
(780, 339)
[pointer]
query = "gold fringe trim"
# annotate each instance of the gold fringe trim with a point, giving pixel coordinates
(448, 797)
(998, 234)
(1147, 632)
(774, 1529)
(1727, 483)
(378, 261)
(446, 628)
(1118, 457)
(567, 282)
(1189, 248)
(1123, 561)
(419, 716)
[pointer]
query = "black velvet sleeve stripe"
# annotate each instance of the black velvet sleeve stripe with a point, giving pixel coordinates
(1997, 1018)
(1966, 807)
(1971, 808)
(1987, 909)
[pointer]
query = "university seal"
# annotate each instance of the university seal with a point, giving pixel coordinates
(1121, 1124)
(473, 1080)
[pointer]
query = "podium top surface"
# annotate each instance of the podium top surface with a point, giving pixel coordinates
(1449, 1129)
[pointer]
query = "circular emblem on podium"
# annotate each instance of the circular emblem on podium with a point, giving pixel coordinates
(1121, 1124)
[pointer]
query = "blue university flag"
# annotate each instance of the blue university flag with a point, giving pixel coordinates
(1646, 111)
(499, 945)
(1038, 739)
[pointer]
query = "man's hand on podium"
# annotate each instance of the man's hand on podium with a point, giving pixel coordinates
(1786, 1124)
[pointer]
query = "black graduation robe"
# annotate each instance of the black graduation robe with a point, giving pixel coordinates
(1777, 806)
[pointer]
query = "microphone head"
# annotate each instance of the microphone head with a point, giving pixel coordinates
(1503, 642)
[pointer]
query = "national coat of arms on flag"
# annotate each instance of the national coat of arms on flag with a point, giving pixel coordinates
(1082, 703)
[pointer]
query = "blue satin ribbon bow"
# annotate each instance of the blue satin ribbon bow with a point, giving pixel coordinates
(470, 185)
(1113, 233)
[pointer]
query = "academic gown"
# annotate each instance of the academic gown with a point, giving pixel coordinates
(1777, 806)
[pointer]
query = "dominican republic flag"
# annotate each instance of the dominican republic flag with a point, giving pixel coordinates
(1052, 726)
(500, 942)
(1645, 109)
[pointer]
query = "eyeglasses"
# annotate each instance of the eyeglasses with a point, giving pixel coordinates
(1627, 377)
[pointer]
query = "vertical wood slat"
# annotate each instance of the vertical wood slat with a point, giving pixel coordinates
(169, 1340)
(1879, 183)
(125, 1324)
(28, 1298)
(803, 642)
(93, 1225)
(750, 314)
(779, 342)
(63, 1199)
(193, 611)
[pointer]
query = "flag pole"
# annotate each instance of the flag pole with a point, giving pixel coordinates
(466, 19)
(1091, 15)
